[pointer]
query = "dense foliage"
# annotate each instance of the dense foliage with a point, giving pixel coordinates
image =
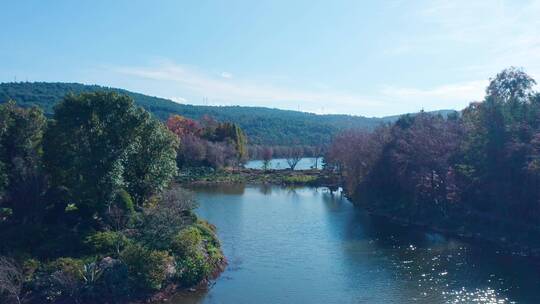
(22, 180)
(100, 143)
(478, 172)
(86, 210)
(263, 126)
(208, 143)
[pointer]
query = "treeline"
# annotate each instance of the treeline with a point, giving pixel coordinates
(87, 213)
(263, 126)
(473, 173)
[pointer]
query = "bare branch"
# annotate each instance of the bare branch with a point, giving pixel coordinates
(11, 279)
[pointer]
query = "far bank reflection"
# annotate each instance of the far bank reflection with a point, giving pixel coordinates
(307, 245)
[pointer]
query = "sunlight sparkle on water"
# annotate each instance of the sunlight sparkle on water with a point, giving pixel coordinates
(488, 296)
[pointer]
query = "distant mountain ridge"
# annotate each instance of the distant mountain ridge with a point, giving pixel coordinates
(264, 126)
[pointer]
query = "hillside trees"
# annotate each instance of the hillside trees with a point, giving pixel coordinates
(263, 126)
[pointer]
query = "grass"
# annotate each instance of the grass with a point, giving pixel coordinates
(249, 176)
(299, 179)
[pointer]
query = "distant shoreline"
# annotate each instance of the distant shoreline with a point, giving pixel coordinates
(206, 176)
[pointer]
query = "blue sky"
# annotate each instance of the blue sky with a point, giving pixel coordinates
(355, 57)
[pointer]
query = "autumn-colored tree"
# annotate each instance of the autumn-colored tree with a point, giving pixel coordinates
(210, 144)
(482, 164)
(209, 125)
(229, 132)
(192, 152)
(182, 126)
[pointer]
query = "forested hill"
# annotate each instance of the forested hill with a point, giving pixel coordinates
(263, 126)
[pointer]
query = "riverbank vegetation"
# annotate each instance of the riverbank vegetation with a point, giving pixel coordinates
(208, 143)
(475, 174)
(87, 211)
(205, 175)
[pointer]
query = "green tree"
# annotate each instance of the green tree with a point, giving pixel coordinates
(511, 85)
(233, 133)
(152, 162)
(147, 268)
(100, 143)
(21, 177)
(3, 179)
(496, 145)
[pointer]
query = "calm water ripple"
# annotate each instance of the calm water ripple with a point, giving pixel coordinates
(305, 245)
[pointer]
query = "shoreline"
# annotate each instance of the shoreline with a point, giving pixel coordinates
(173, 289)
(500, 244)
(321, 178)
(286, 177)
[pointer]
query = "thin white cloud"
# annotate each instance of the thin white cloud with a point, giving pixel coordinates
(486, 35)
(449, 96)
(226, 75)
(178, 99)
(388, 100)
(504, 27)
(192, 81)
(498, 33)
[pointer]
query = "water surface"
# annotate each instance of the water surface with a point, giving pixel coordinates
(281, 164)
(305, 245)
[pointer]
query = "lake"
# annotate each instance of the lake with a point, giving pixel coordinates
(305, 163)
(305, 245)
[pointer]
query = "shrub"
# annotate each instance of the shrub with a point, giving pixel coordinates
(30, 267)
(121, 212)
(161, 222)
(91, 275)
(197, 253)
(215, 257)
(147, 269)
(208, 232)
(60, 279)
(114, 283)
(107, 242)
(214, 254)
(67, 265)
(193, 268)
(124, 200)
(187, 242)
